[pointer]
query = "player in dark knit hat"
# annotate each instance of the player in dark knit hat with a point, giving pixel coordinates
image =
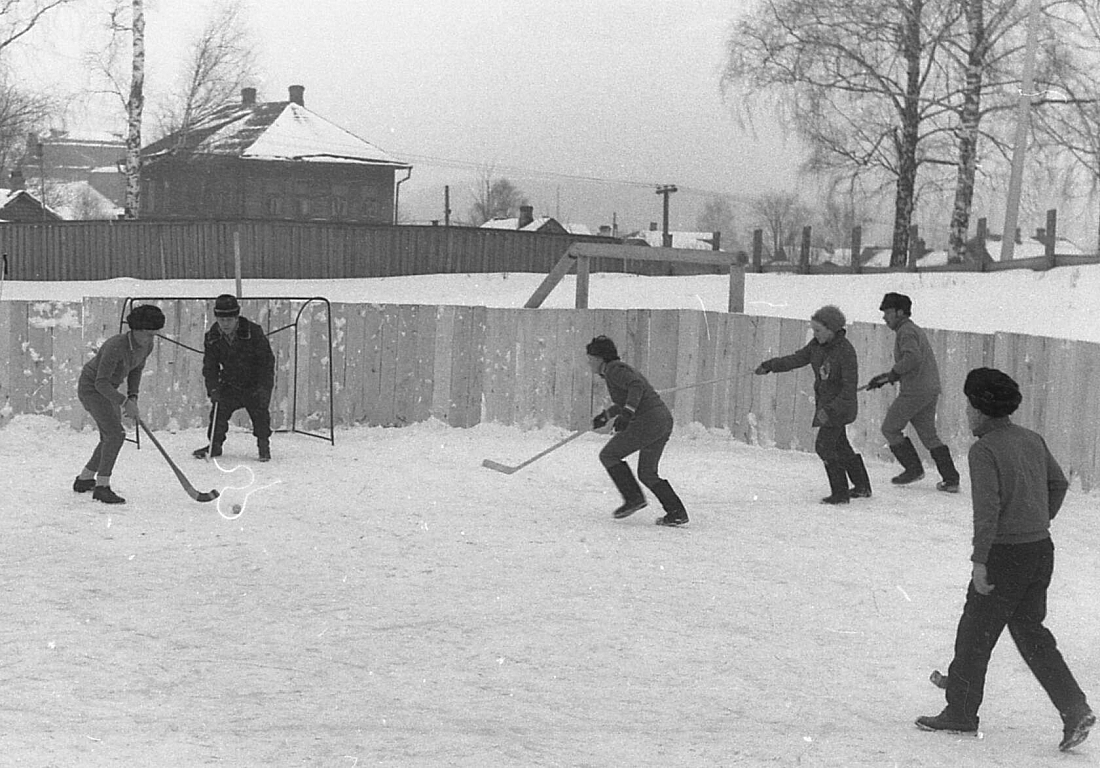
(239, 369)
(836, 371)
(919, 391)
(642, 425)
(121, 358)
(1017, 488)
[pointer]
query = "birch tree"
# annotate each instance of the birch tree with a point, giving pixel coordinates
(857, 81)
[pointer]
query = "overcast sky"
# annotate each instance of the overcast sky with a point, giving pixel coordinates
(606, 89)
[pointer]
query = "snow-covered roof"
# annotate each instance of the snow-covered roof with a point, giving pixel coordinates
(535, 225)
(699, 241)
(281, 130)
(9, 196)
(79, 200)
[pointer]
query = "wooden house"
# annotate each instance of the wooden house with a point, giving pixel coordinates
(273, 160)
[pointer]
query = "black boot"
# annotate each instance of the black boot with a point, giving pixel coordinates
(838, 484)
(907, 456)
(675, 514)
(946, 467)
(83, 486)
(106, 495)
(861, 483)
(215, 450)
(264, 448)
(633, 498)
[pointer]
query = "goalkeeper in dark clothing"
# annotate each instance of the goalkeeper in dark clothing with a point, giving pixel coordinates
(239, 369)
(1017, 488)
(643, 425)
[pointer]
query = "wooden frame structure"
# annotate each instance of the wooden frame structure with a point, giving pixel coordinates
(579, 254)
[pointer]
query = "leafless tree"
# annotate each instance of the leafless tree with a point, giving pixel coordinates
(494, 198)
(717, 216)
(21, 113)
(782, 216)
(221, 60)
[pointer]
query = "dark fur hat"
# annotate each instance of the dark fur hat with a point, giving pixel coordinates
(226, 305)
(147, 317)
(603, 348)
(992, 392)
(896, 301)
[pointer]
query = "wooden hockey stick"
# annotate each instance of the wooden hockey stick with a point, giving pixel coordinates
(498, 467)
(191, 491)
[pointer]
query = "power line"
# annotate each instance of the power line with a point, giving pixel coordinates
(536, 173)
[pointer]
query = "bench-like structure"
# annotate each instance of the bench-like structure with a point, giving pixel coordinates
(579, 254)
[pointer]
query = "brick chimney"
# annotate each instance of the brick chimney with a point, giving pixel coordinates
(298, 95)
(652, 226)
(526, 216)
(248, 97)
(17, 180)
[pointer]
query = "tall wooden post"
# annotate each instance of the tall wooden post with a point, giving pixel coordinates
(804, 252)
(1052, 235)
(757, 250)
(857, 247)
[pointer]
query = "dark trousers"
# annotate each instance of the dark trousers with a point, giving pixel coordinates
(647, 436)
(108, 419)
(1020, 575)
(832, 445)
(232, 401)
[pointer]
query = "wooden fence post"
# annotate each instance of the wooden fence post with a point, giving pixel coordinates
(1052, 234)
(804, 252)
(757, 250)
(857, 246)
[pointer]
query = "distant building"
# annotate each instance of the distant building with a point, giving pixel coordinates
(62, 156)
(271, 160)
(526, 222)
(19, 205)
(654, 237)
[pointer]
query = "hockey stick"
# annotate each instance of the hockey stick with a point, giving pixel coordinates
(670, 390)
(210, 441)
(498, 467)
(194, 494)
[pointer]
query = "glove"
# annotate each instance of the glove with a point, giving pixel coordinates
(622, 421)
(599, 421)
(763, 368)
(213, 395)
(882, 380)
(822, 417)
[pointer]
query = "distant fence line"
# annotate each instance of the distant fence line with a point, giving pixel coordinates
(174, 250)
(400, 364)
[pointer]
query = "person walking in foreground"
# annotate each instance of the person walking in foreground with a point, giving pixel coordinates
(121, 358)
(915, 367)
(836, 371)
(239, 369)
(1017, 489)
(643, 425)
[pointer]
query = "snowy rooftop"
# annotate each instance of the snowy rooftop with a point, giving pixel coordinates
(281, 130)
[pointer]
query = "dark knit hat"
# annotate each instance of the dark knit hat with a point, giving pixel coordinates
(992, 392)
(226, 305)
(830, 316)
(603, 348)
(896, 301)
(147, 317)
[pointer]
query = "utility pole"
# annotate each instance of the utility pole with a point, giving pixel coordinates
(1023, 119)
(666, 236)
(447, 205)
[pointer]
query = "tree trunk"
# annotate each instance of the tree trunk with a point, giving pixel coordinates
(134, 107)
(905, 140)
(968, 131)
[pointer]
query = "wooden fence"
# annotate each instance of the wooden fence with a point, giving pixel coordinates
(159, 250)
(399, 364)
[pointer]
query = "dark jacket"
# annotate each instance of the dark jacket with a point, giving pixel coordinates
(1016, 486)
(246, 365)
(628, 387)
(836, 371)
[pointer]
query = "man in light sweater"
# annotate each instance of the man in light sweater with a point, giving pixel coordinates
(1017, 489)
(915, 367)
(121, 358)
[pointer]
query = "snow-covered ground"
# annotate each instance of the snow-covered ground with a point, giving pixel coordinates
(388, 601)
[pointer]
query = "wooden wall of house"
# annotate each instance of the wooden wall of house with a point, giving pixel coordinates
(216, 188)
(395, 365)
(159, 250)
